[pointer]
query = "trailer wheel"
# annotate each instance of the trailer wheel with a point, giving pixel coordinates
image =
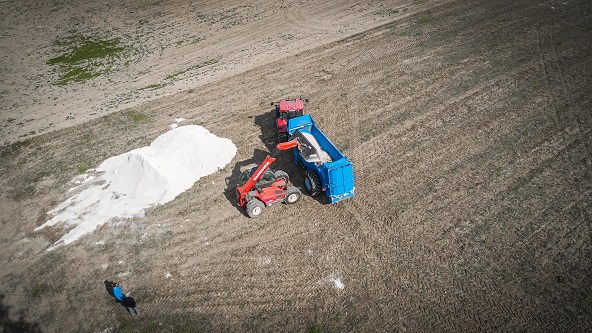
(255, 208)
(282, 136)
(292, 195)
(281, 175)
(312, 183)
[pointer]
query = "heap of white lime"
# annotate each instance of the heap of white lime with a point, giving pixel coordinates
(124, 186)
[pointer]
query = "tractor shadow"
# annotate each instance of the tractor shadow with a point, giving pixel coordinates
(267, 126)
(233, 180)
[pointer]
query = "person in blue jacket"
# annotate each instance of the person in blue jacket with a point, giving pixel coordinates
(117, 292)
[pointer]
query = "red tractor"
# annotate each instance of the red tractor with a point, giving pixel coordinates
(285, 110)
(262, 187)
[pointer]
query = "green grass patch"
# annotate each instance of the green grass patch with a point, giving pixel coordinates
(39, 289)
(83, 168)
(424, 20)
(200, 65)
(82, 57)
(315, 329)
(137, 117)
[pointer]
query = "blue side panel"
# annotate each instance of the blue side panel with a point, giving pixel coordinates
(303, 122)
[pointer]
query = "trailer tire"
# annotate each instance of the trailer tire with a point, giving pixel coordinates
(281, 175)
(282, 136)
(312, 183)
(292, 195)
(255, 208)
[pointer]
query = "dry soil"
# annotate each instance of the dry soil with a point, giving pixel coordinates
(468, 124)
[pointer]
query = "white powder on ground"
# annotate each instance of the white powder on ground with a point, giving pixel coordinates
(142, 178)
(333, 280)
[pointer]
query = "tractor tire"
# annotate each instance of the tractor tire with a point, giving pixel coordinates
(312, 183)
(293, 194)
(281, 175)
(282, 136)
(255, 208)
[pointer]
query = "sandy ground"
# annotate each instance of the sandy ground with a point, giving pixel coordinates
(167, 37)
(468, 123)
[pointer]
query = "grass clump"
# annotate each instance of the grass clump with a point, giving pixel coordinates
(82, 58)
(424, 20)
(39, 289)
(153, 86)
(137, 117)
(200, 65)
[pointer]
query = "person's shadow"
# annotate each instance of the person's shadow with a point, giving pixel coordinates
(109, 287)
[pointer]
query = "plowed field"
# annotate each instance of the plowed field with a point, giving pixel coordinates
(468, 124)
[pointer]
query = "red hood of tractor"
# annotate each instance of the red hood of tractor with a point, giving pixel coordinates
(291, 104)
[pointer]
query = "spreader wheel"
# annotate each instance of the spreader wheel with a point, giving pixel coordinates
(312, 183)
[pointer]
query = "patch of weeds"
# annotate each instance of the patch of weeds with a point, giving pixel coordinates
(22, 191)
(424, 20)
(83, 57)
(137, 117)
(125, 326)
(13, 148)
(200, 65)
(498, 172)
(83, 168)
(563, 110)
(315, 329)
(42, 174)
(167, 235)
(28, 134)
(87, 137)
(388, 12)
(196, 39)
(527, 179)
(38, 289)
(153, 86)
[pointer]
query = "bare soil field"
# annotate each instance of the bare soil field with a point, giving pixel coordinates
(468, 123)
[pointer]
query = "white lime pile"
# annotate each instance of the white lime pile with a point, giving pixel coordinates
(130, 183)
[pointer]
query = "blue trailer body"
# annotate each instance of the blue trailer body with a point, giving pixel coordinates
(334, 170)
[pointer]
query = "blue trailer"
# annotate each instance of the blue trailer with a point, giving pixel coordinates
(328, 170)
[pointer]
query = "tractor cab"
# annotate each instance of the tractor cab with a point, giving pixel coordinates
(285, 110)
(266, 180)
(289, 108)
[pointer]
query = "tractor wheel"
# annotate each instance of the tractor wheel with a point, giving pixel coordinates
(292, 195)
(282, 136)
(255, 208)
(281, 175)
(312, 183)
